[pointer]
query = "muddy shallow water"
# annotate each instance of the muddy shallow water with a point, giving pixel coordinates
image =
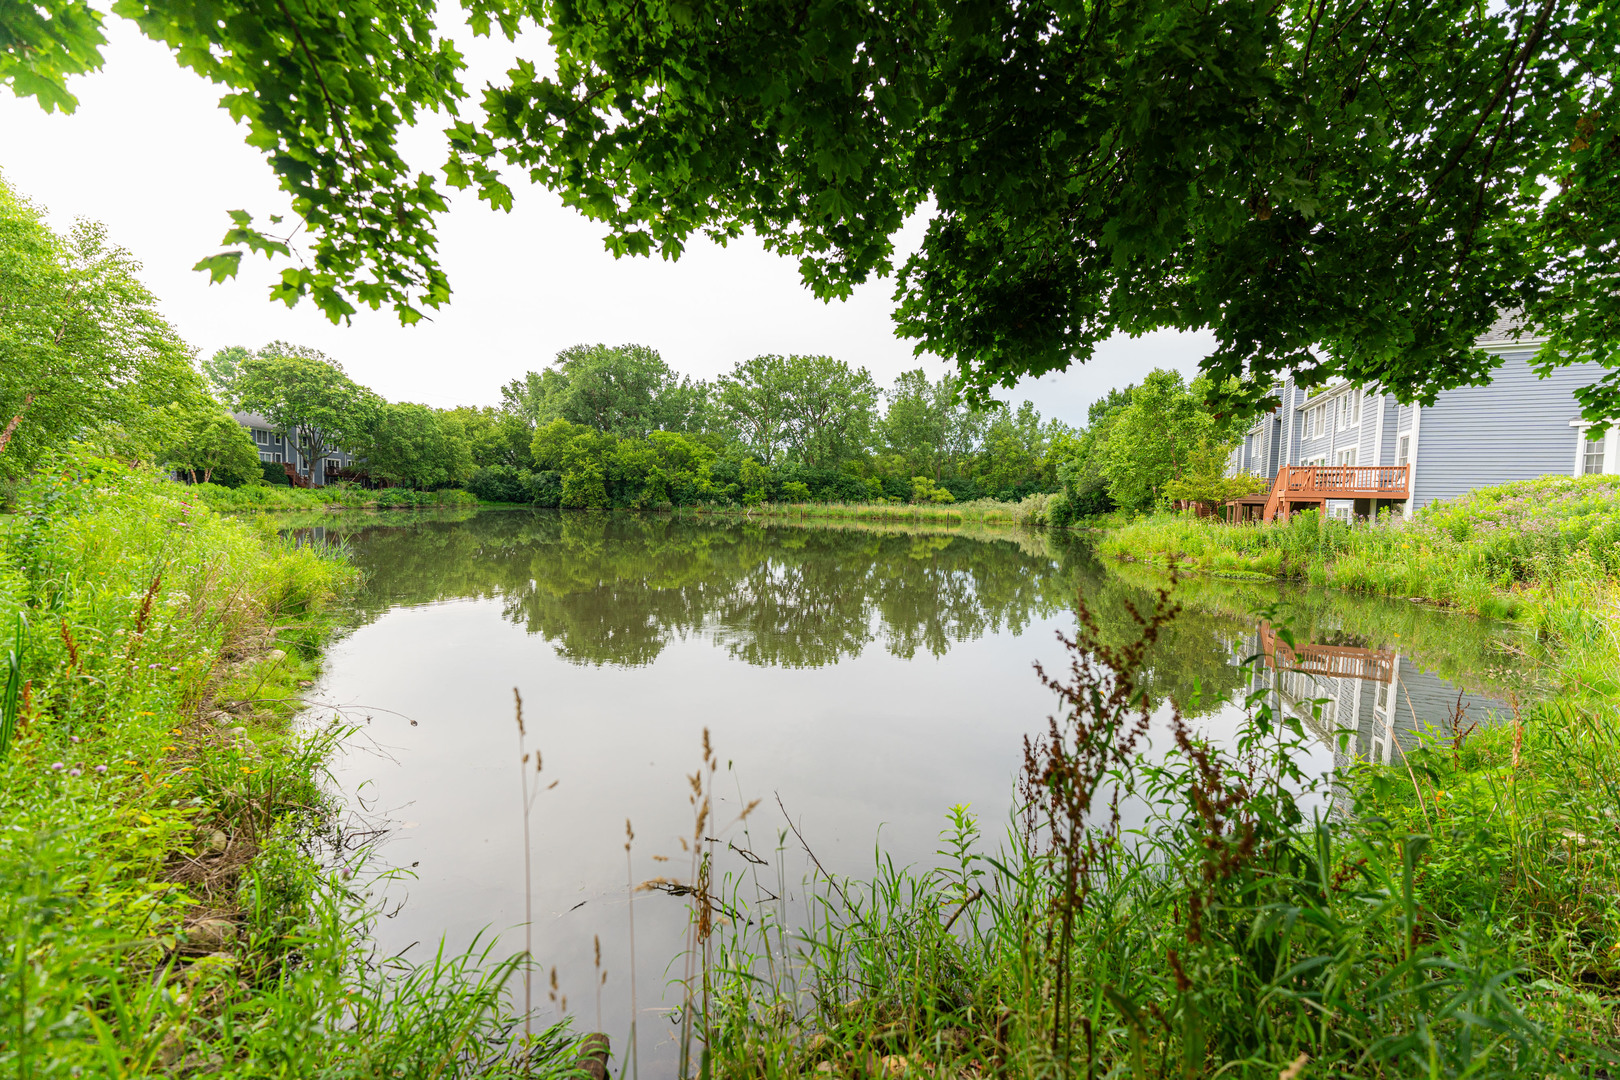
(867, 678)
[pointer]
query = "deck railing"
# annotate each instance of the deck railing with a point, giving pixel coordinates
(1336, 661)
(1381, 481)
(1315, 483)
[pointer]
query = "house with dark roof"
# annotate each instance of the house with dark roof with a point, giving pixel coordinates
(277, 448)
(1355, 450)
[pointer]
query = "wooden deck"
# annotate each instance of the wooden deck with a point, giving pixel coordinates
(1315, 484)
(1337, 661)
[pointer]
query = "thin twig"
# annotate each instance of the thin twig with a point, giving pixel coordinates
(848, 907)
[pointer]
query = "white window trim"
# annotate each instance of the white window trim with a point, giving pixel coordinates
(1412, 461)
(1611, 449)
(1377, 403)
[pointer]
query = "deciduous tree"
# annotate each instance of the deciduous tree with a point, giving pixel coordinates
(624, 390)
(1165, 434)
(214, 448)
(1345, 188)
(309, 399)
(416, 445)
(82, 347)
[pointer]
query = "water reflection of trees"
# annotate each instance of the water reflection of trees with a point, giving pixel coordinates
(615, 589)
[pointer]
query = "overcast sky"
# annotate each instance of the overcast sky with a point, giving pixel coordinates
(150, 154)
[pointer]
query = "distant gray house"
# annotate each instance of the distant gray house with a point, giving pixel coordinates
(276, 449)
(1355, 449)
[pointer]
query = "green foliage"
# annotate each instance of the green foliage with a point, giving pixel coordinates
(1206, 484)
(1402, 155)
(496, 436)
(212, 447)
(1450, 926)
(158, 909)
(930, 426)
(416, 446)
(1473, 552)
(309, 399)
(1165, 434)
(812, 410)
(223, 370)
(627, 390)
(286, 497)
(924, 490)
(84, 352)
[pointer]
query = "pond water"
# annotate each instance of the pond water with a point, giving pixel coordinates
(862, 680)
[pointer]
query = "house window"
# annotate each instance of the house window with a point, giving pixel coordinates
(1403, 450)
(1592, 456)
(1347, 457)
(1317, 421)
(261, 437)
(1355, 406)
(333, 464)
(263, 456)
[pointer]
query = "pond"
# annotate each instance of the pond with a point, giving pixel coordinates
(862, 680)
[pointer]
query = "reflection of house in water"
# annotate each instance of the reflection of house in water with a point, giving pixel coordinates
(1379, 695)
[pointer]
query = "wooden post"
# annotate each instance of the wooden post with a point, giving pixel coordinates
(593, 1056)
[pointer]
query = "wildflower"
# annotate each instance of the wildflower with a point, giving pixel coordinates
(57, 766)
(73, 772)
(101, 768)
(73, 738)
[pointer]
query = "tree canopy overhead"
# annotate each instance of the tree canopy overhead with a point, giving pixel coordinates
(1344, 188)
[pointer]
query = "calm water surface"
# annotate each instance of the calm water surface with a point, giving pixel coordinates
(867, 678)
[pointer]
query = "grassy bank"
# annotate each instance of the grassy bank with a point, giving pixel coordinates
(1457, 917)
(1029, 511)
(166, 901)
(338, 496)
(1456, 914)
(1479, 552)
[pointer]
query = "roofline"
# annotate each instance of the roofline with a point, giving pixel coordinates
(1503, 344)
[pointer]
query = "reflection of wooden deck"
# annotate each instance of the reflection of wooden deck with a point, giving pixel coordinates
(1336, 661)
(1318, 483)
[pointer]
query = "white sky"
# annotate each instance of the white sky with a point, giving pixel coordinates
(150, 154)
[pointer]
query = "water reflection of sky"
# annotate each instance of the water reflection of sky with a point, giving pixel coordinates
(868, 679)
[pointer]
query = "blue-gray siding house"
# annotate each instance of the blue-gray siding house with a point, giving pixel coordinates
(275, 448)
(1517, 427)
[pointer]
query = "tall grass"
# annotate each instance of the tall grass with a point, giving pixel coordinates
(165, 903)
(1481, 552)
(1030, 511)
(1458, 923)
(341, 496)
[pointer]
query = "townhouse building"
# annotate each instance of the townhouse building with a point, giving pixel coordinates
(277, 449)
(1354, 450)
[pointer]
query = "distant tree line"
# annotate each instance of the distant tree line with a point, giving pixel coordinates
(617, 427)
(606, 427)
(88, 359)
